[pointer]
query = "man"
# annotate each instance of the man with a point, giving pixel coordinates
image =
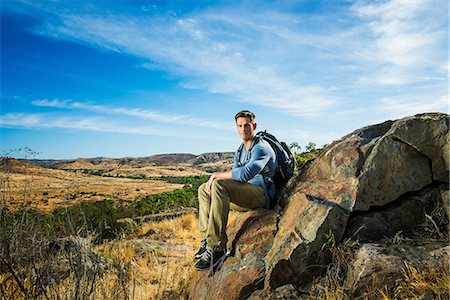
(247, 186)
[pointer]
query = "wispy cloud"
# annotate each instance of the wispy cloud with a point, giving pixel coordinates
(95, 124)
(247, 60)
(270, 57)
(407, 105)
(406, 40)
(132, 112)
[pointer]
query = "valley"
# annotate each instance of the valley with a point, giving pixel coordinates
(45, 184)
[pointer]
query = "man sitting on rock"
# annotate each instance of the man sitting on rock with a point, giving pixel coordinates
(247, 186)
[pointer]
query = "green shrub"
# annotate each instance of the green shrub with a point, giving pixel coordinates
(303, 158)
(100, 218)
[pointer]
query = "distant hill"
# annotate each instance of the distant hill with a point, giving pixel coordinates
(213, 157)
(205, 161)
(26, 183)
(45, 162)
(18, 166)
(169, 159)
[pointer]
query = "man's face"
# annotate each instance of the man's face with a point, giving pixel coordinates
(245, 128)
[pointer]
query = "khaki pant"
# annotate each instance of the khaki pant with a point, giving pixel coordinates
(226, 194)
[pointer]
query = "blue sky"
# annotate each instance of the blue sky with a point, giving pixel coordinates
(137, 78)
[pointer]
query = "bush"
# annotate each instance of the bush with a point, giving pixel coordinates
(303, 158)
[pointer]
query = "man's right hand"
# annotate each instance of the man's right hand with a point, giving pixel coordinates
(209, 184)
(214, 176)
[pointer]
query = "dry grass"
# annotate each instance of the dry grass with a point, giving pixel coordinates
(428, 284)
(156, 262)
(416, 284)
(159, 257)
(46, 189)
(153, 262)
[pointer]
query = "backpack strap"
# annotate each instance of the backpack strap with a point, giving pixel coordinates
(255, 140)
(239, 153)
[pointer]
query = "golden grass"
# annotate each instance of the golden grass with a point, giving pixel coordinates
(154, 263)
(416, 283)
(46, 189)
(160, 257)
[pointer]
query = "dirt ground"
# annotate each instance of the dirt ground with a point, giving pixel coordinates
(46, 189)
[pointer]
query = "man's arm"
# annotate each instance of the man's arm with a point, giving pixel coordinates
(215, 176)
(259, 158)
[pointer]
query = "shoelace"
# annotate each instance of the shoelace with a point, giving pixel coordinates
(207, 255)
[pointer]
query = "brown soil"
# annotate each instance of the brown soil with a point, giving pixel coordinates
(45, 189)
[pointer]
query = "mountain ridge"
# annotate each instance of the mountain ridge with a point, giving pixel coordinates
(157, 160)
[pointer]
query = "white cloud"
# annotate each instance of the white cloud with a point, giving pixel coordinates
(285, 61)
(407, 105)
(406, 40)
(246, 58)
(21, 119)
(95, 124)
(133, 112)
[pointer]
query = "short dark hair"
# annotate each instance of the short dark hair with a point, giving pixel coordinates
(245, 114)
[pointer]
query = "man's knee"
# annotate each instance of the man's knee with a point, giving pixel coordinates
(219, 185)
(201, 188)
(202, 195)
(219, 190)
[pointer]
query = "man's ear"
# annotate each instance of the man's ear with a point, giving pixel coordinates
(254, 126)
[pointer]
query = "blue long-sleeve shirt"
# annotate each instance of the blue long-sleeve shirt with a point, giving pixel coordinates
(256, 167)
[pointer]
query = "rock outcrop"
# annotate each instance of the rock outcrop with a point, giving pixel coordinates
(250, 239)
(372, 183)
(376, 266)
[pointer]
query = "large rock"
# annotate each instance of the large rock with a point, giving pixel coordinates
(373, 170)
(300, 237)
(376, 266)
(249, 240)
(409, 156)
(372, 167)
(403, 215)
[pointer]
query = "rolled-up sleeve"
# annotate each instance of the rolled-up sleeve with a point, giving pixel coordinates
(259, 159)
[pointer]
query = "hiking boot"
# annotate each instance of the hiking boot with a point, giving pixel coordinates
(209, 260)
(200, 251)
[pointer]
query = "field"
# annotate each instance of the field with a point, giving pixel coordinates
(44, 189)
(105, 258)
(60, 236)
(74, 231)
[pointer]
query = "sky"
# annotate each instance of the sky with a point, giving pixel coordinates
(138, 78)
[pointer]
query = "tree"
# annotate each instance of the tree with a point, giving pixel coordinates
(310, 147)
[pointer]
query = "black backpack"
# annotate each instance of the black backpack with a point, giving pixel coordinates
(285, 160)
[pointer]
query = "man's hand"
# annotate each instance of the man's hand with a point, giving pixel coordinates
(214, 176)
(209, 184)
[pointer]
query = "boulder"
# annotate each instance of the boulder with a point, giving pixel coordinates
(383, 178)
(403, 215)
(408, 157)
(302, 231)
(370, 168)
(285, 292)
(249, 239)
(376, 266)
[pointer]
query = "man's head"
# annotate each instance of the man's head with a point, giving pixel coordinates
(245, 124)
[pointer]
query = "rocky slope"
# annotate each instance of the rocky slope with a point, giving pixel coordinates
(155, 160)
(375, 183)
(178, 164)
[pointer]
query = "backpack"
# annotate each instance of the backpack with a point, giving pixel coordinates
(285, 160)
